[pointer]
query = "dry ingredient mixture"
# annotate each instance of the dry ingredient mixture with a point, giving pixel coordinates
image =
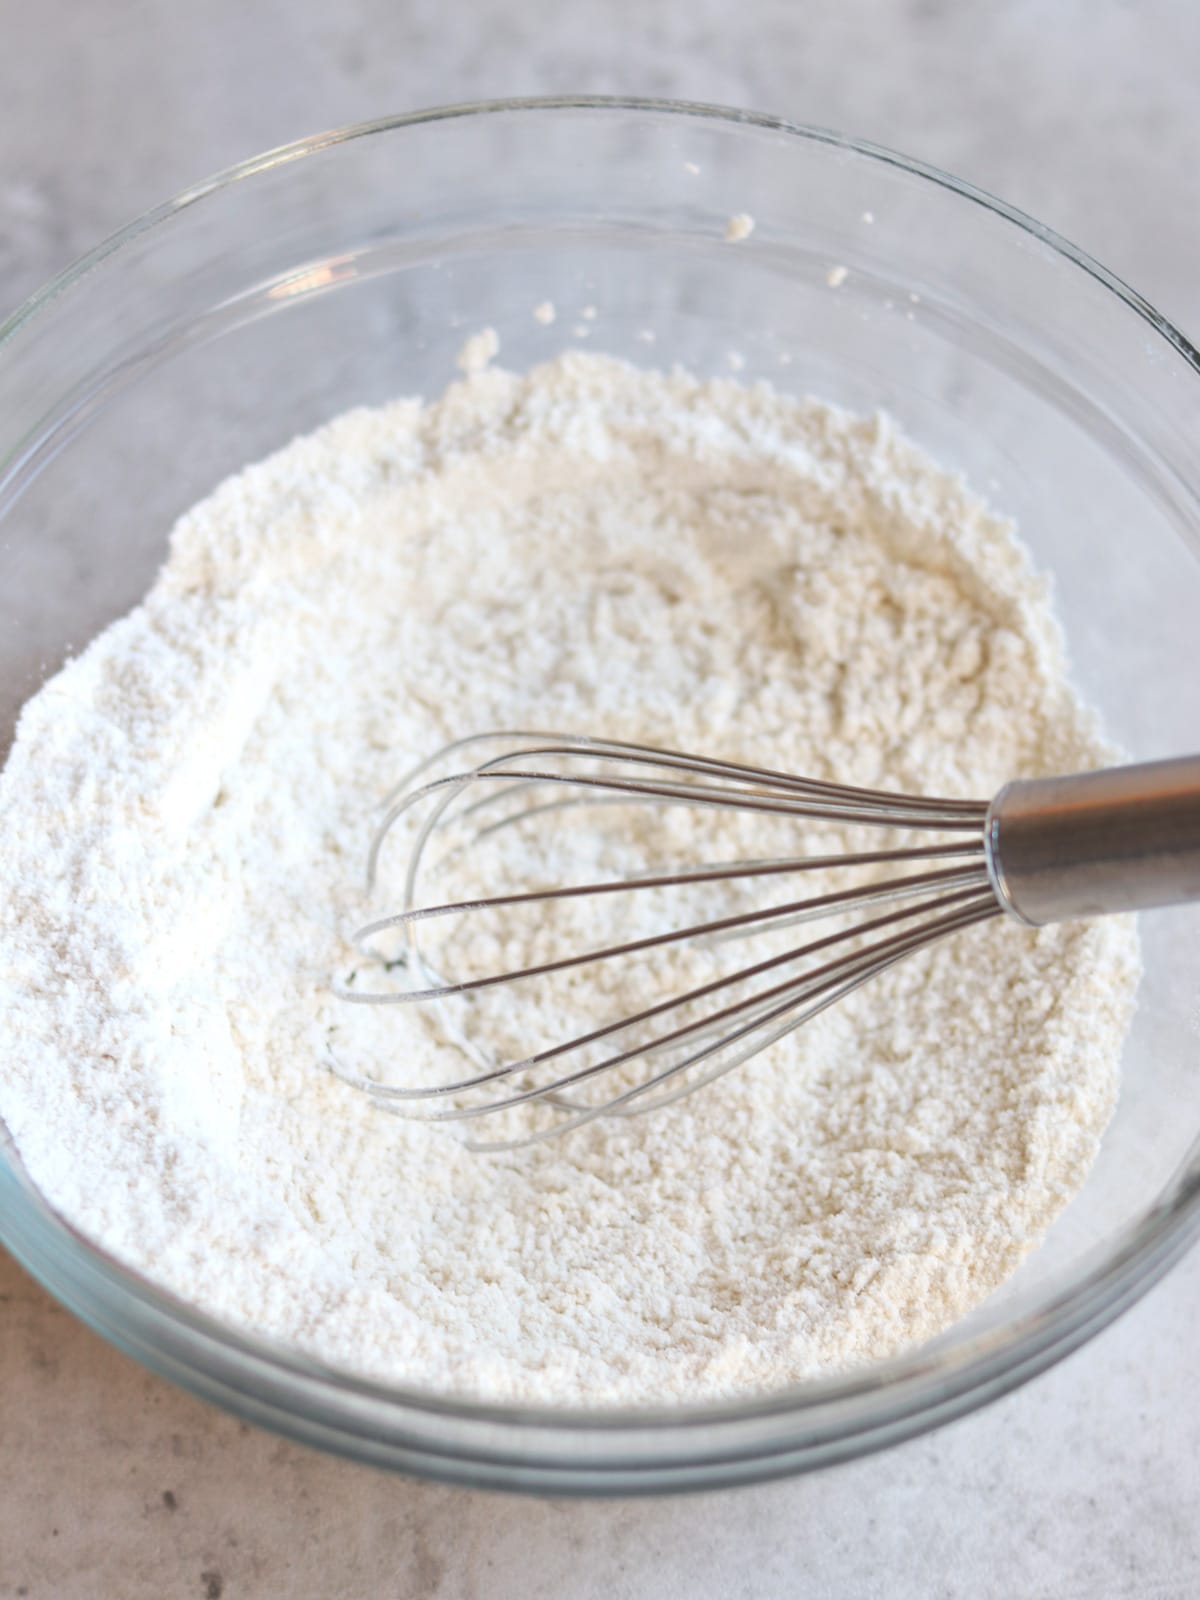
(185, 815)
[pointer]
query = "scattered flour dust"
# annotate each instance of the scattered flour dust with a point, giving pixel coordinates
(478, 350)
(185, 814)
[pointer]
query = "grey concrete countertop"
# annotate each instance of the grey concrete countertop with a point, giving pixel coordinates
(1084, 1483)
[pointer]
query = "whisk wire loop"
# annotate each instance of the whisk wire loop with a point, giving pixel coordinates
(944, 887)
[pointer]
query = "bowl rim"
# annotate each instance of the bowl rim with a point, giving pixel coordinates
(701, 110)
(887, 1402)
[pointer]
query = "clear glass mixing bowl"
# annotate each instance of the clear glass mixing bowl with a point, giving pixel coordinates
(348, 269)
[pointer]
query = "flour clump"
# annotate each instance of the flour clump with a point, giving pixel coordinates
(697, 565)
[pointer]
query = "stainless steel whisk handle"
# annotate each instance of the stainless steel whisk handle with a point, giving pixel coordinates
(1125, 839)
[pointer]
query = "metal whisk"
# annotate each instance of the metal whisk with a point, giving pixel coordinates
(1045, 850)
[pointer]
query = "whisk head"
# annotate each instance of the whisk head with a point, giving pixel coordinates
(578, 914)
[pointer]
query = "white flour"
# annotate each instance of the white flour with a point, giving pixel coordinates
(185, 815)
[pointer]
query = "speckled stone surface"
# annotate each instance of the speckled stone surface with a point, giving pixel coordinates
(1086, 1483)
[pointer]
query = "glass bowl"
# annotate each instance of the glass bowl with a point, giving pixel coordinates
(348, 269)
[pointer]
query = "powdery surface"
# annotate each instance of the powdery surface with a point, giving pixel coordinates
(186, 810)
